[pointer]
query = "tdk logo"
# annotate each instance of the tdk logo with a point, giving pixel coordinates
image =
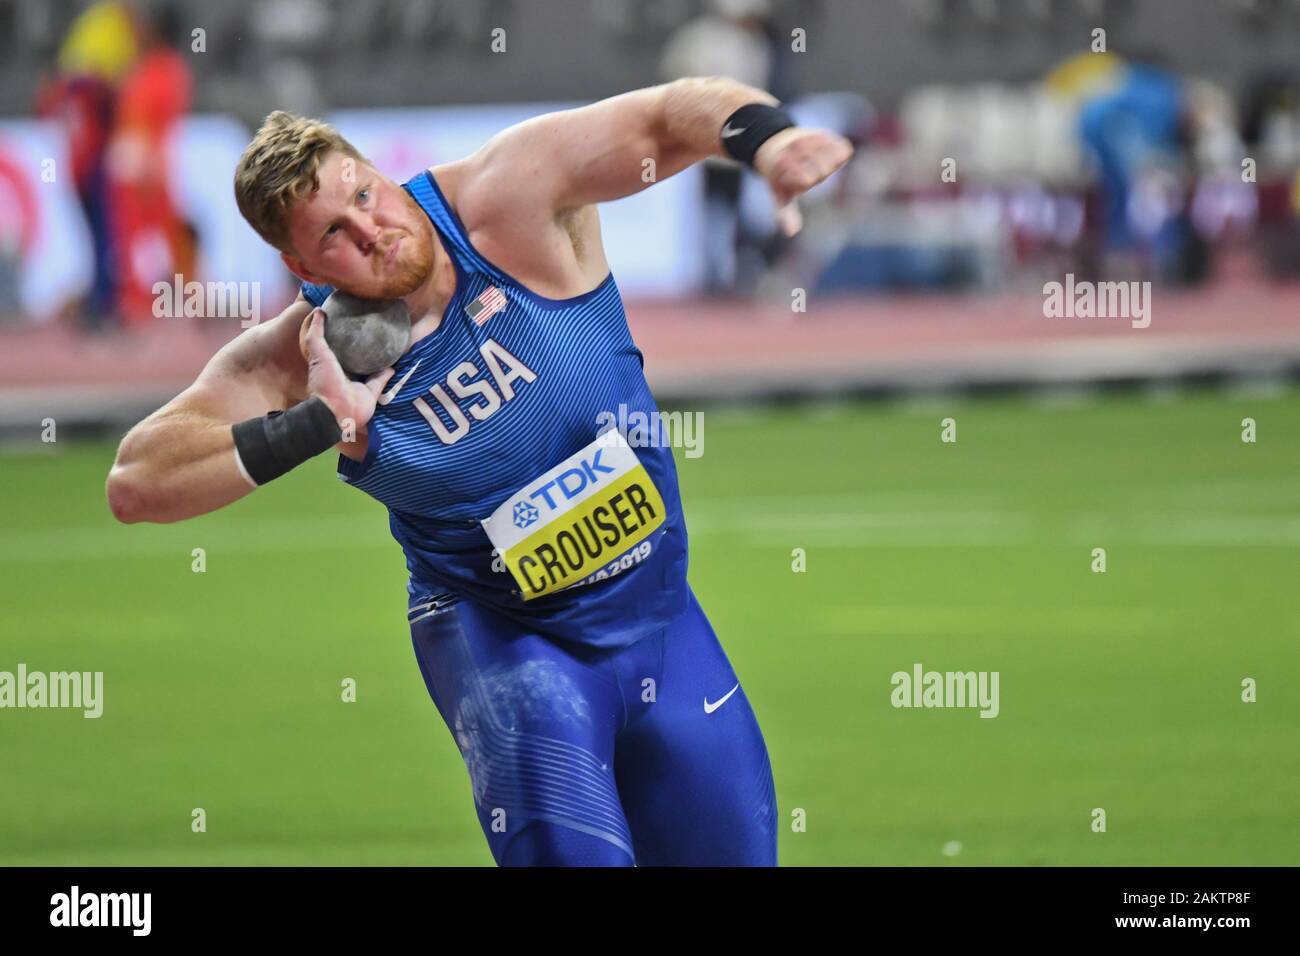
(525, 514)
(572, 481)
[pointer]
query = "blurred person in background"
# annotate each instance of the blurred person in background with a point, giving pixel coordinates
(737, 40)
(1271, 131)
(153, 241)
(99, 48)
(1135, 120)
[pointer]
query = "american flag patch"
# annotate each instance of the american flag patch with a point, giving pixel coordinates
(492, 301)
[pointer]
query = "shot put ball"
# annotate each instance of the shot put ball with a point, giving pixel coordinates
(366, 335)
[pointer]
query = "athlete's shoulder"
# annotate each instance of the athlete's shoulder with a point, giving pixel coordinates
(494, 221)
(556, 252)
(463, 185)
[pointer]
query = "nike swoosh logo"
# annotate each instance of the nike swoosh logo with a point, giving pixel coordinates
(710, 708)
(728, 132)
(391, 394)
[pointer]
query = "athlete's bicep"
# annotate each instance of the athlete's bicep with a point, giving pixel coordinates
(260, 370)
(577, 157)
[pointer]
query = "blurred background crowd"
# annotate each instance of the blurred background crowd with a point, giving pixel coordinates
(1001, 144)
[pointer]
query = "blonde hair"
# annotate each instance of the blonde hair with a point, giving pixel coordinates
(280, 166)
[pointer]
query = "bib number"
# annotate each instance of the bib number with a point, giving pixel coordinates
(576, 518)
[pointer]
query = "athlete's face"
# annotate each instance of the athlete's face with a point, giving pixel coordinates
(360, 232)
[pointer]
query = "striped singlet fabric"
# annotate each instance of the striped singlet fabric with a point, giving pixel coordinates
(508, 405)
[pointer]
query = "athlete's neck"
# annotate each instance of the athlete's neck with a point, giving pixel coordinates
(427, 303)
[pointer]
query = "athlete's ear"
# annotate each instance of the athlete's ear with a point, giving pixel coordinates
(295, 265)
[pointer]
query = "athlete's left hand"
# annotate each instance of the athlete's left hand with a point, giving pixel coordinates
(793, 162)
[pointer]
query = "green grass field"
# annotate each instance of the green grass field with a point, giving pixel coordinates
(1119, 690)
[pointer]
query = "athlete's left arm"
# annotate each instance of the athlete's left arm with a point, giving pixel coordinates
(621, 145)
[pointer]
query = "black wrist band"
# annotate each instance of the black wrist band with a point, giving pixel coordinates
(750, 127)
(280, 441)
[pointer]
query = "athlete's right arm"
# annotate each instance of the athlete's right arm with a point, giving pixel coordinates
(180, 461)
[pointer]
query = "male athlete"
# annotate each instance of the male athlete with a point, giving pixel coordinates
(598, 717)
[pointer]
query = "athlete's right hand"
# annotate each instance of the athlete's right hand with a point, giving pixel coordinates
(348, 400)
